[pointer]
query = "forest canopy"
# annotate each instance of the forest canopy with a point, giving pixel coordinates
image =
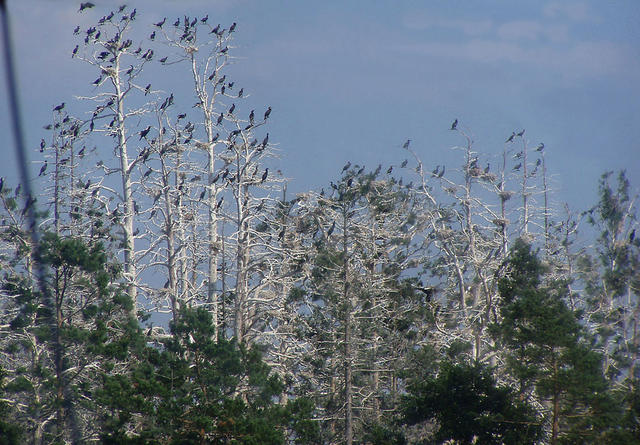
(178, 294)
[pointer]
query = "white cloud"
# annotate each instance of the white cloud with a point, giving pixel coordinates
(466, 26)
(575, 11)
(532, 30)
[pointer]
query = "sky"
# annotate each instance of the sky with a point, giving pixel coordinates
(354, 80)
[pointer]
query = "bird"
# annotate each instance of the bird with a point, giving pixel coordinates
(204, 192)
(404, 163)
(59, 107)
(232, 108)
(540, 147)
(147, 89)
(121, 8)
(159, 24)
(241, 92)
(164, 59)
(510, 138)
(219, 203)
(346, 166)
(97, 81)
(85, 5)
(76, 31)
(632, 235)
(330, 231)
(517, 167)
(182, 116)
(265, 140)
(486, 169)
(264, 175)
(176, 23)
(252, 116)
(521, 133)
(219, 121)
(145, 132)
(74, 52)
(267, 113)
(232, 27)
(406, 144)
(441, 174)
(454, 125)
(1, 184)
(42, 145)
(216, 29)
(204, 19)
(389, 170)
(43, 169)
(152, 36)
(436, 170)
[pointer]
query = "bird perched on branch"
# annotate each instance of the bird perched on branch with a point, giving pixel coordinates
(454, 125)
(406, 144)
(510, 138)
(267, 113)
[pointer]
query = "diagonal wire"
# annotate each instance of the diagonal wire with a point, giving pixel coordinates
(32, 217)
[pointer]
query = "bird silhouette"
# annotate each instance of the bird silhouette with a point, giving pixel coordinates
(510, 138)
(159, 24)
(404, 163)
(264, 175)
(331, 229)
(406, 144)
(232, 27)
(43, 169)
(517, 167)
(346, 166)
(85, 5)
(265, 141)
(59, 107)
(145, 132)
(267, 113)
(454, 125)
(241, 92)
(147, 89)
(441, 174)
(540, 147)
(252, 116)
(219, 121)
(521, 133)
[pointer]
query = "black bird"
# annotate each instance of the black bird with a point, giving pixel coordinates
(267, 113)
(145, 132)
(219, 203)
(216, 29)
(517, 167)
(510, 138)
(81, 152)
(232, 27)
(42, 145)
(241, 92)
(159, 24)
(330, 231)
(224, 50)
(232, 108)
(1, 184)
(454, 125)
(205, 18)
(264, 175)
(349, 182)
(406, 144)
(85, 5)
(176, 23)
(265, 140)
(74, 52)
(164, 59)
(97, 81)
(215, 138)
(219, 121)
(486, 169)
(43, 169)
(404, 163)
(121, 8)
(59, 107)
(632, 235)
(252, 116)
(182, 116)
(193, 22)
(441, 174)
(222, 89)
(389, 170)
(346, 166)
(538, 162)
(133, 14)
(230, 85)
(540, 147)
(436, 170)
(147, 89)
(204, 192)
(77, 30)
(152, 36)
(521, 133)
(130, 70)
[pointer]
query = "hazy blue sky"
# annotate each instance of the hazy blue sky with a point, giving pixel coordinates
(352, 80)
